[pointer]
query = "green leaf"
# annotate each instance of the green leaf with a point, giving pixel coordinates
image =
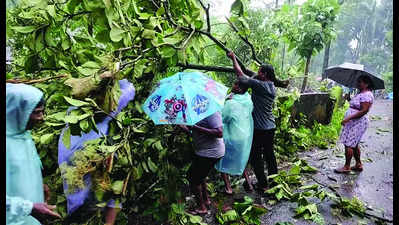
(136, 173)
(51, 10)
(85, 126)
(66, 138)
(107, 3)
(148, 34)
(99, 195)
(310, 187)
(103, 36)
(116, 34)
(71, 5)
(151, 165)
(280, 194)
(46, 139)
(143, 164)
(158, 145)
(91, 64)
(167, 51)
(139, 67)
(75, 102)
(24, 29)
(160, 11)
(144, 16)
(295, 170)
(117, 187)
(195, 219)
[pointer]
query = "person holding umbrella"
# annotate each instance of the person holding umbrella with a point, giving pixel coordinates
(355, 123)
(193, 101)
(209, 149)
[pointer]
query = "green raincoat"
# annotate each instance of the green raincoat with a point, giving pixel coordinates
(238, 129)
(24, 182)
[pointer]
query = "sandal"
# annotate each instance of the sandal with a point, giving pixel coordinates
(247, 187)
(342, 170)
(357, 168)
(197, 212)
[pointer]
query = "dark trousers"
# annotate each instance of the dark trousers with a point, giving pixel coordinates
(262, 150)
(200, 168)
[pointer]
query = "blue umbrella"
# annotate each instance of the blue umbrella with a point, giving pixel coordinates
(184, 98)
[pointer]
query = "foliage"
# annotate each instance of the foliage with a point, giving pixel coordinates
(308, 28)
(388, 81)
(290, 139)
(245, 212)
(349, 207)
(178, 216)
(289, 186)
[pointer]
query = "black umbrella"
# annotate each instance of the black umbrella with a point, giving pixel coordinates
(348, 73)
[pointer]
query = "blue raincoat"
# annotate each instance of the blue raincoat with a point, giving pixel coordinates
(238, 129)
(24, 182)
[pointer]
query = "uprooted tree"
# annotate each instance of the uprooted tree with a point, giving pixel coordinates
(80, 49)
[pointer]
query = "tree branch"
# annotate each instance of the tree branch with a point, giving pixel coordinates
(17, 81)
(246, 41)
(208, 20)
(206, 68)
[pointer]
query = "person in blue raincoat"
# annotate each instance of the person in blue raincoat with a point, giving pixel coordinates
(25, 197)
(84, 199)
(238, 127)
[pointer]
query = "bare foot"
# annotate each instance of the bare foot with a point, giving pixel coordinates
(344, 169)
(248, 187)
(228, 191)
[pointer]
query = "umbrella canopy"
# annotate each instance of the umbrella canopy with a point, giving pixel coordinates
(184, 98)
(348, 73)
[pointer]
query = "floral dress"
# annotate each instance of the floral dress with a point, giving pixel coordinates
(353, 131)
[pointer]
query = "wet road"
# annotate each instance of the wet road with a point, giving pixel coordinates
(374, 186)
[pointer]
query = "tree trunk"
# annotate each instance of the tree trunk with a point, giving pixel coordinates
(276, 4)
(326, 58)
(305, 79)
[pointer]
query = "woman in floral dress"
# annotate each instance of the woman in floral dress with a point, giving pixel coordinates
(355, 124)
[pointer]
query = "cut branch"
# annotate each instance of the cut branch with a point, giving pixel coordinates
(246, 41)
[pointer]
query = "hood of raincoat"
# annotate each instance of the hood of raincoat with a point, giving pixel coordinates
(21, 100)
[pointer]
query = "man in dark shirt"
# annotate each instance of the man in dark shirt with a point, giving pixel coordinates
(263, 95)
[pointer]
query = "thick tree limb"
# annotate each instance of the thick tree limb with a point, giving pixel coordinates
(206, 68)
(246, 41)
(17, 81)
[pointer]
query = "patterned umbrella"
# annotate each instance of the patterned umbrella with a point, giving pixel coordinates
(347, 74)
(184, 98)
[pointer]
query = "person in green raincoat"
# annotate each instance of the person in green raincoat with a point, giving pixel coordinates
(238, 127)
(25, 197)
